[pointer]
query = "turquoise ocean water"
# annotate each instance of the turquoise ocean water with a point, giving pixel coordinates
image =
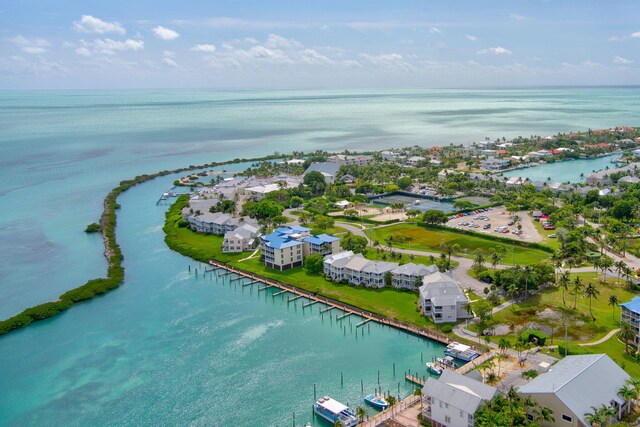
(167, 348)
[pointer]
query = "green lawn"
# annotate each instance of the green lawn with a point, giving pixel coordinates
(392, 303)
(410, 236)
(615, 349)
(581, 326)
(552, 243)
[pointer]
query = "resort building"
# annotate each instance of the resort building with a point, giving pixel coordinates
(442, 299)
(391, 156)
(261, 188)
(287, 247)
(216, 223)
(328, 169)
(360, 159)
(493, 164)
(414, 160)
(631, 314)
(453, 399)
(604, 176)
(241, 239)
(576, 384)
(357, 270)
(409, 276)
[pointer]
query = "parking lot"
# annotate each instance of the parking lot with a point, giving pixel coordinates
(498, 218)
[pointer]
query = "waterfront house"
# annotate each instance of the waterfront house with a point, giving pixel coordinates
(493, 164)
(539, 185)
(348, 179)
(453, 399)
(241, 239)
(333, 265)
(322, 244)
(327, 169)
(628, 180)
(216, 222)
(391, 155)
(442, 299)
(603, 176)
(357, 270)
(415, 160)
(446, 172)
(631, 314)
(409, 276)
(576, 384)
(287, 247)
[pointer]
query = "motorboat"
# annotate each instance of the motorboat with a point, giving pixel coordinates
(376, 401)
(434, 368)
(461, 351)
(332, 411)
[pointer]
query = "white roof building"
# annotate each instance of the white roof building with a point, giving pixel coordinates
(575, 384)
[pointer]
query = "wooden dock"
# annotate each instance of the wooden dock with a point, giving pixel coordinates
(309, 304)
(348, 309)
(284, 291)
(347, 314)
(365, 321)
(324, 310)
(415, 380)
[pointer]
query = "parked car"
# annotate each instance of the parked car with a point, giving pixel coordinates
(506, 230)
(552, 236)
(486, 226)
(510, 223)
(549, 227)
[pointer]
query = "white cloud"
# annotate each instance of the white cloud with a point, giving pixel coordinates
(276, 41)
(636, 35)
(83, 51)
(388, 60)
(311, 56)
(110, 46)
(92, 25)
(31, 46)
(434, 30)
(170, 62)
(471, 38)
(495, 51)
(517, 17)
(206, 48)
(169, 53)
(165, 33)
(621, 61)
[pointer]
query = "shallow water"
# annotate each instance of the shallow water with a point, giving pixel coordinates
(573, 171)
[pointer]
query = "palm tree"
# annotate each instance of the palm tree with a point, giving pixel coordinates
(563, 281)
(479, 260)
(391, 400)
(596, 417)
(495, 259)
(338, 423)
(468, 309)
(613, 302)
(527, 271)
(626, 333)
(620, 265)
(361, 413)
(628, 394)
(577, 287)
(418, 392)
(543, 414)
(590, 292)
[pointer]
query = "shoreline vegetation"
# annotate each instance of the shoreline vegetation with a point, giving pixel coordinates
(115, 271)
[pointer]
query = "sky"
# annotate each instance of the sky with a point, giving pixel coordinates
(67, 44)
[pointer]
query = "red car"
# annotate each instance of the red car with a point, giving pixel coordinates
(549, 227)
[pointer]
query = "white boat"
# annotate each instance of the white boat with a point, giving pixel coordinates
(332, 411)
(376, 401)
(447, 361)
(460, 351)
(434, 368)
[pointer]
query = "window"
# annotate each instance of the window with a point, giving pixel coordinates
(447, 419)
(441, 403)
(461, 414)
(530, 417)
(567, 418)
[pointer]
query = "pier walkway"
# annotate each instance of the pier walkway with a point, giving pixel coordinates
(404, 412)
(348, 309)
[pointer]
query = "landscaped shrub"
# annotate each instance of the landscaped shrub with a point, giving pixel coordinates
(572, 350)
(446, 328)
(534, 335)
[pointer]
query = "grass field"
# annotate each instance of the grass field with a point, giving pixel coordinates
(409, 236)
(546, 308)
(392, 303)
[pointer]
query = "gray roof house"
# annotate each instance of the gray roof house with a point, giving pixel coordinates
(575, 384)
(407, 275)
(328, 169)
(442, 299)
(453, 399)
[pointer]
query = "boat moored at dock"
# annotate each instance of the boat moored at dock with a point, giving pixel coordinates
(434, 368)
(332, 411)
(460, 351)
(448, 362)
(376, 401)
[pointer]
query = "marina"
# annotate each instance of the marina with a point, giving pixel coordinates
(573, 171)
(333, 411)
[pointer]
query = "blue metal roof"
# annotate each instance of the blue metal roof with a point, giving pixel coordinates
(292, 229)
(633, 305)
(320, 239)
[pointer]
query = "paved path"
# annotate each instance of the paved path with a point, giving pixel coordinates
(601, 340)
